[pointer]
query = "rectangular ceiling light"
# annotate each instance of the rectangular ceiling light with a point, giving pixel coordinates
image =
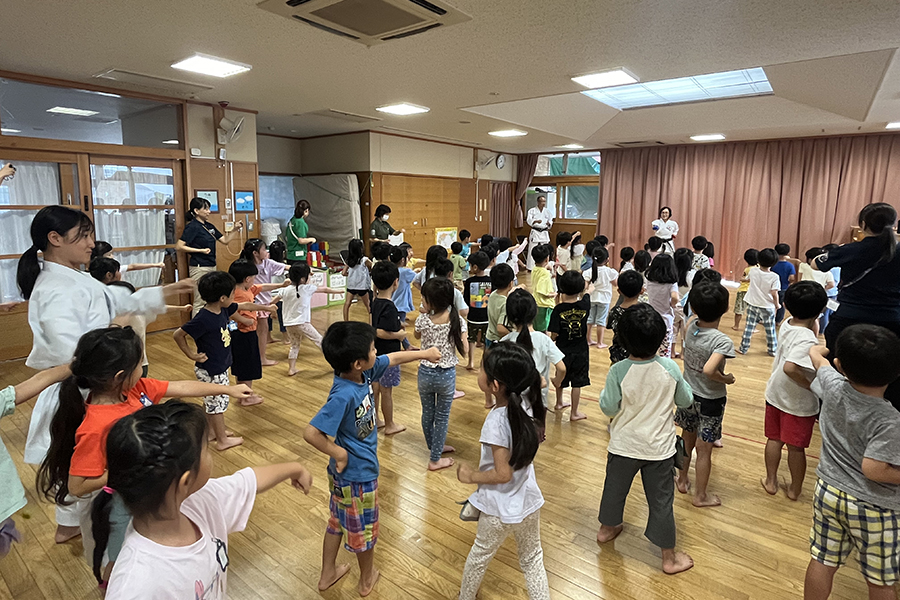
(7, 130)
(714, 86)
(708, 137)
(76, 112)
(894, 125)
(403, 109)
(210, 65)
(570, 147)
(171, 142)
(508, 133)
(606, 79)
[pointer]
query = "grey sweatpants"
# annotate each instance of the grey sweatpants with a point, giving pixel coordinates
(659, 487)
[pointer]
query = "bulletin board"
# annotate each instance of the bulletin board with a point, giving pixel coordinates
(444, 236)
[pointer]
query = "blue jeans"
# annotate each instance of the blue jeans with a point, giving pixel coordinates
(436, 386)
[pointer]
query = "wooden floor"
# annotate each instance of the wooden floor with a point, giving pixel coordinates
(753, 546)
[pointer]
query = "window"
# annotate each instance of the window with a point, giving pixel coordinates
(587, 163)
(532, 193)
(580, 202)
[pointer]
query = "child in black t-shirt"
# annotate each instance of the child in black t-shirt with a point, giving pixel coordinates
(568, 327)
(389, 338)
(476, 290)
(631, 285)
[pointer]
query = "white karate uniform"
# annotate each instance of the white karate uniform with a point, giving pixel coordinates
(666, 230)
(536, 238)
(64, 305)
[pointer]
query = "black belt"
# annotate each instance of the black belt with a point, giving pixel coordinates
(541, 230)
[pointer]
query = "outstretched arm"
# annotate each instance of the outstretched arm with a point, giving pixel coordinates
(269, 476)
(39, 382)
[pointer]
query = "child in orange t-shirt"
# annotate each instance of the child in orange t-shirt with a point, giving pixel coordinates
(108, 363)
(246, 363)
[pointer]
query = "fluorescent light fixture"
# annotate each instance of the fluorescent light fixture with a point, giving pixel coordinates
(402, 109)
(7, 130)
(171, 142)
(606, 79)
(708, 137)
(210, 65)
(570, 147)
(713, 86)
(76, 112)
(508, 133)
(893, 125)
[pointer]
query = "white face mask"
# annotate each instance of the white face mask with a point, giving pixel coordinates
(386, 217)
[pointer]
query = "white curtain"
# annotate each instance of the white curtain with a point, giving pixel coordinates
(146, 277)
(8, 290)
(334, 214)
(34, 183)
(130, 228)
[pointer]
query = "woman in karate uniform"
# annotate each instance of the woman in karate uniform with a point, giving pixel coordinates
(64, 304)
(666, 229)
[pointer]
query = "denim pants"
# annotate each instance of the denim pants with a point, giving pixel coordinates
(436, 386)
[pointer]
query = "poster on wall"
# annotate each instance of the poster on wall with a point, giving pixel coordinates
(243, 201)
(211, 196)
(444, 236)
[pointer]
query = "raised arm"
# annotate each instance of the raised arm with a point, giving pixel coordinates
(37, 383)
(144, 266)
(197, 389)
(226, 238)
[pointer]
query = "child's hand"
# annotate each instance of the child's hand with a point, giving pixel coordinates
(239, 391)
(303, 481)
(286, 283)
(727, 378)
(187, 307)
(185, 286)
(340, 461)
(433, 354)
(160, 265)
(199, 357)
(270, 308)
(464, 473)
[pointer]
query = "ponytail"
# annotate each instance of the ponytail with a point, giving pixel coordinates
(53, 474)
(49, 219)
(599, 256)
(250, 247)
(879, 218)
(101, 508)
(438, 293)
(196, 204)
(456, 331)
(521, 310)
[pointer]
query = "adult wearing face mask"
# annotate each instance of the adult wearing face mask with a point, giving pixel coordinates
(381, 230)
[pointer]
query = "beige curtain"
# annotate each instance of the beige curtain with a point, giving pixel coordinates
(525, 167)
(804, 192)
(501, 209)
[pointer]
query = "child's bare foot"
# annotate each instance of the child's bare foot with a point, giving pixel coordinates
(470, 367)
(458, 394)
(678, 563)
(706, 500)
(394, 428)
(212, 436)
(329, 579)
(607, 534)
(379, 423)
(229, 442)
(292, 372)
(269, 363)
(441, 464)
(64, 533)
(602, 346)
(448, 449)
(577, 416)
(252, 400)
(718, 443)
(592, 343)
(683, 485)
(736, 328)
(559, 406)
(285, 342)
(366, 587)
(791, 494)
(771, 488)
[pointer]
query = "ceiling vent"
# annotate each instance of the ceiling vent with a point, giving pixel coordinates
(637, 144)
(156, 84)
(340, 115)
(369, 22)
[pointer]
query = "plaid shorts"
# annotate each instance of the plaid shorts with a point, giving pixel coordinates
(842, 522)
(354, 511)
(391, 377)
(215, 405)
(703, 417)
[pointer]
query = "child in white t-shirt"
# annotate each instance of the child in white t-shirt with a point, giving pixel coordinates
(762, 301)
(177, 544)
(508, 495)
(564, 250)
(602, 278)
(791, 408)
(807, 273)
(295, 310)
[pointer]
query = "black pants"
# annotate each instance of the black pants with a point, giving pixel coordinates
(838, 324)
(659, 488)
(779, 314)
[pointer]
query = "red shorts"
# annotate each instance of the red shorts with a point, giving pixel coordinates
(790, 429)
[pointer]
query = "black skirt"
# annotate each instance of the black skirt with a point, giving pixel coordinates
(246, 365)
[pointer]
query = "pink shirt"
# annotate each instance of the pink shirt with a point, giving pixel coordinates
(267, 270)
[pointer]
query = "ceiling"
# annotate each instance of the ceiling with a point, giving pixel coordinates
(832, 65)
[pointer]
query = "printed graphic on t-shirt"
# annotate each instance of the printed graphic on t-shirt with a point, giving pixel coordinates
(572, 320)
(365, 416)
(145, 400)
(214, 590)
(226, 337)
(479, 291)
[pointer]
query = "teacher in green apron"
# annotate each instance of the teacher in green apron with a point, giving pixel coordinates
(296, 237)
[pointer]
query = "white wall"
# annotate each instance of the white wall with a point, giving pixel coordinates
(336, 154)
(492, 173)
(244, 148)
(392, 154)
(201, 131)
(278, 154)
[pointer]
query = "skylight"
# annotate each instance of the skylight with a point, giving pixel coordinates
(714, 86)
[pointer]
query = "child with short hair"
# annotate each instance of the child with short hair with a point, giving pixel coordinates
(791, 408)
(542, 286)
(857, 498)
(639, 396)
(787, 275)
(177, 543)
(247, 361)
(476, 292)
(699, 260)
(359, 282)
(631, 286)
(345, 430)
(402, 296)
(751, 256)
(588, 252)
(832, 292)
(296, 298)
(763, 300)
(465, 238)
(105, 270)
(381, 251)
(705, 351)
(807, 273)
(460, 266)
(662, 295)
(602, 278)
(105, 250)
(654, 246)
(568, 328)
(564, 250)
(389, 335)
(502, 283)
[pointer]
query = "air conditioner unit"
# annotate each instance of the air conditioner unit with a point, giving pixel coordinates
(369, 22)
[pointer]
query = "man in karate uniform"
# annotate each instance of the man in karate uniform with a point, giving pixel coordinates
(540, 219)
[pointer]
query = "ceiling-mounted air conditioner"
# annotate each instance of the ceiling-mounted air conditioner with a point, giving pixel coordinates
(369, 22)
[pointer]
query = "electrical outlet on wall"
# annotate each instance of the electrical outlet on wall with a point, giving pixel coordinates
(229, 226)
(251, 225)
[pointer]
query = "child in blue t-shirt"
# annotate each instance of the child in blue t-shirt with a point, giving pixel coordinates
(786, 273)
(345, 430)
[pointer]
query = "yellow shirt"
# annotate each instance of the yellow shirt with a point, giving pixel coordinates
(544, 294)
(745, 285)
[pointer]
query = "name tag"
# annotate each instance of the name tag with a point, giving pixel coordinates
(232, 326)
(832, 304)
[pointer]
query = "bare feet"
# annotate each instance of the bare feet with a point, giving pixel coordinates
(718, 443)
(577, 416)
(683, 485)
(470, 367)
(394, 428)
(252, 400)
(64, 533)
(602, 346)
(366, 587)
(292, 372)
(212, 436)
(441, 464)
(771, 489)
(592, 343)
(736, 328)
(379, 423)
(607, 534)
(448, 449)
(229, 442)
(269, 363)
(706, 500)
(677, 563)
(329, 579)
(791, 495)
(559, 407)
(458, 394)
